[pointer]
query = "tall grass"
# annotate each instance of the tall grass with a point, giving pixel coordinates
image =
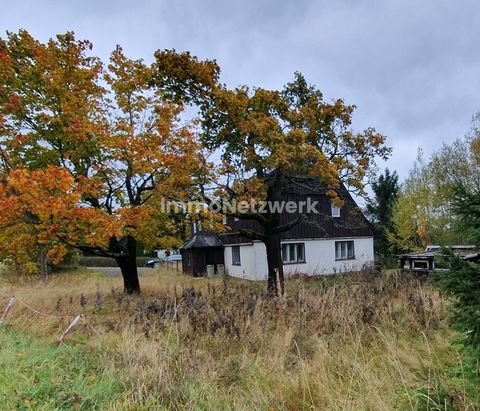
(362, 341)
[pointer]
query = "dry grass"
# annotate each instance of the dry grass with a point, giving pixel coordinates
(365, 341)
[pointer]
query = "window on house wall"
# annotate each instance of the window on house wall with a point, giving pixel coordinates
(236, 255)
(293, 253)
(344, 250)
(420, 264)
(335, 211)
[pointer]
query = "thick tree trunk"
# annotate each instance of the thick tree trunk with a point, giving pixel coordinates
(128, 267)
(275, 282)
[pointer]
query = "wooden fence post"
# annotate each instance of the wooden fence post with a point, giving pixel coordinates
(7, 310)
(70, 327)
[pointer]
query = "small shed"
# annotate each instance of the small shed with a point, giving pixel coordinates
(202, 250)
(423, 262)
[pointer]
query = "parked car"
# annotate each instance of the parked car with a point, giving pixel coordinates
(175, 257)
(153, 263)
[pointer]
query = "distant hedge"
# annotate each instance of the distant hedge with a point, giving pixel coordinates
(107, 262)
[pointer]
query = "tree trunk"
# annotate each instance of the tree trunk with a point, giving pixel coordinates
(128, 267)
(275, 282)
(42, 258)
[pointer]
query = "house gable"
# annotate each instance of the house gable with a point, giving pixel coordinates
(350, 223)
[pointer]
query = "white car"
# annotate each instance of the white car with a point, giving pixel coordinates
(175, 257)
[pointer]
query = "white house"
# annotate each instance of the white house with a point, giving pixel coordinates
(300, 257)
(329, 239)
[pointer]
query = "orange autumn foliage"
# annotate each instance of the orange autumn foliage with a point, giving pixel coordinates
(86, 150)
(41, 209)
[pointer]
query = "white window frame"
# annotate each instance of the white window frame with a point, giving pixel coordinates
(344, 250)
(236, 259)
(335, 211)
(293, 253)
(416, 267)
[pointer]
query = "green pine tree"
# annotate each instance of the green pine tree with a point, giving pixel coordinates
(462, 280)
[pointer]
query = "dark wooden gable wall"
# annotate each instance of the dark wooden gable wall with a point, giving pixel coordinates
(351, 223)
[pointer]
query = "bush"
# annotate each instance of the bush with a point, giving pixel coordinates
(91, 261)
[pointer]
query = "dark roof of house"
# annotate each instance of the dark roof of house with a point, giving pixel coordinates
(203, 240)
(419, 254)
(351, 223)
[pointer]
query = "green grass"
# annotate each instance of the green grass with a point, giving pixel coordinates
(39, 375)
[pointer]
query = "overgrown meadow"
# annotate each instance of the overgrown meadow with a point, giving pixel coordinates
(363, 341)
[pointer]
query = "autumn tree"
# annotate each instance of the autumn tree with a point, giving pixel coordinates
(424, 212)
(268, 138)
(420, 215)
(458, 163)
(102, 133)
(380, 208)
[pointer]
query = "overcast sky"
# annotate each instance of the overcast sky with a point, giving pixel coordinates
(411, 67)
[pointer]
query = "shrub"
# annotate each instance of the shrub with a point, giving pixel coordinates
(91, 261)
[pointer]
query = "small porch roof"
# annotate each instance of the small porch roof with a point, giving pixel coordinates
(202, 240)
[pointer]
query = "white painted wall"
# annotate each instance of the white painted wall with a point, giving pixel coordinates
(319, 258)
(247, 260)
(260, 261)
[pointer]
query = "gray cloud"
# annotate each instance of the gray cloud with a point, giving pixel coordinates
(410, 67)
